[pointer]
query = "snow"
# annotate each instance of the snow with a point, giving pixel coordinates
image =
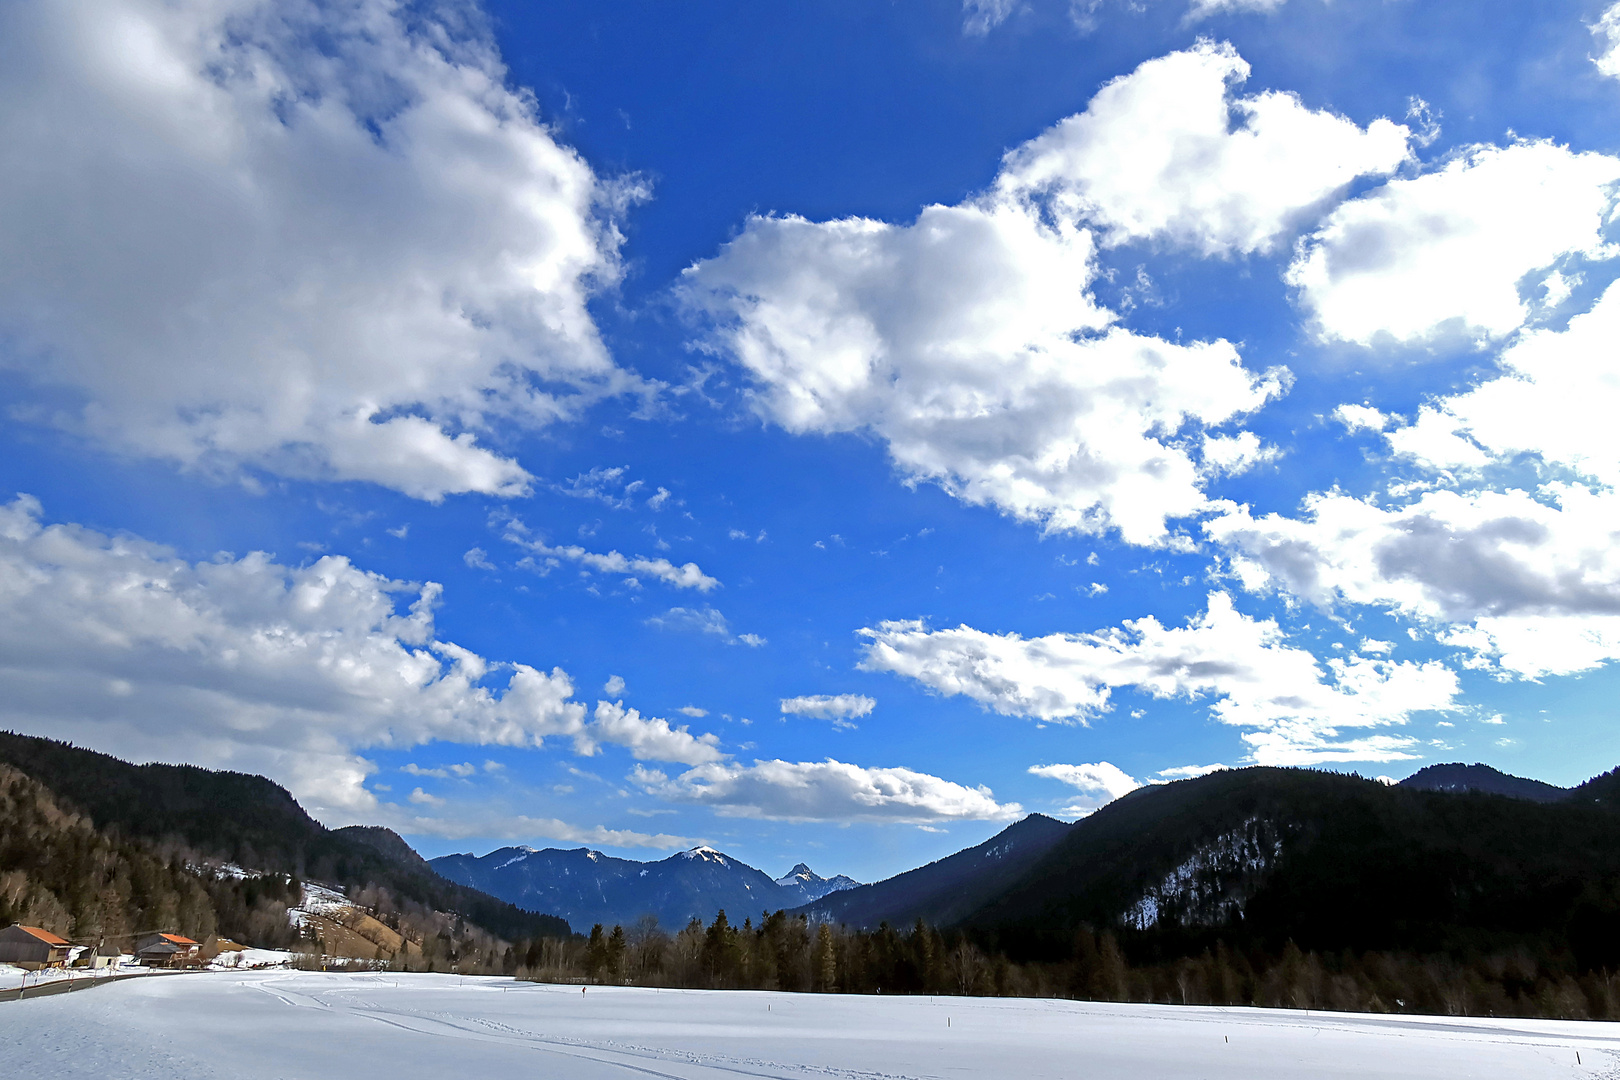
(317, 1026)
(12, 976)
(318, 900)
(1214, 884)
(253, 958)
(705, 853)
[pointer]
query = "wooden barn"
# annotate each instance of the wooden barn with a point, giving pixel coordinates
(32, 948)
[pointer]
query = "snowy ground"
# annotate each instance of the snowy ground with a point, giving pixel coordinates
(398, 1027)
(12, 977)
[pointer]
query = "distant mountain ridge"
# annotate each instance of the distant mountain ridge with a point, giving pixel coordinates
(1457, 777)
(588, 887)
(949, 889)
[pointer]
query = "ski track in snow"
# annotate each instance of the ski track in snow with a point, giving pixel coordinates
(315, 1026)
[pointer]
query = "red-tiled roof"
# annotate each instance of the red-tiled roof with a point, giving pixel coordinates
(172, 938)
(46, 936)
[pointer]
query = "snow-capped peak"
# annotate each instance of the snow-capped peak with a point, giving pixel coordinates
(799, 875)
(704, 852)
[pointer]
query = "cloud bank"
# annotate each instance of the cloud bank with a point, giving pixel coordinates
(250, 664)
(1294, 711)
(826, 791)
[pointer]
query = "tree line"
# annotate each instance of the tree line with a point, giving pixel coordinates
(784, 951)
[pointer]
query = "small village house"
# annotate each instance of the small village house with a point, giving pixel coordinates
(32, 948)
(167, 950)
(104, 955)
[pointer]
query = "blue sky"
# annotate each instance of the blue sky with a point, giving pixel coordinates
(825, 431)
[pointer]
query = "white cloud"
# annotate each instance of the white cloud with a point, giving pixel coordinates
(693, 711)
(1203, 9)
(1295, 712)
(323, 240)
(1607, 31)
(966, 341)
(1167, 152)
(1187, 772)
(249, 664)
(979, 17)
(614, 686)
(686, 576)
(1361, 418)
(441, 773)
(521, 828)
(1099, 783)
(422, 798)
(705, 620)
(839, 708)
(648, 739)
(826, 791)
(1556, 399)
(1531, 584)
(1451, 247)
(603, 484)
(478, 559)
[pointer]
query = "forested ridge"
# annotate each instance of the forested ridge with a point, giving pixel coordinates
(83, 822)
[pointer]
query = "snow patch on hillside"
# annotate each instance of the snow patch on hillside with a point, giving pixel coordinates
(1211, 887)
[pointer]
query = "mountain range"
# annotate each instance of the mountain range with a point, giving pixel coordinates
(587, 887)
(1457, 859)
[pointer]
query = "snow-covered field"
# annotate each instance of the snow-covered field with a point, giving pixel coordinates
(354, 1027)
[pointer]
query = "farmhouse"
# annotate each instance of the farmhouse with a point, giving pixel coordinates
(32, 948)
(166, 950)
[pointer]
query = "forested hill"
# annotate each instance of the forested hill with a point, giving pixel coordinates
(254, 823)
(1259, 857)
(1458, 777)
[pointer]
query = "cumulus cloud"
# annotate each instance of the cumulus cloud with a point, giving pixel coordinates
(839, 708)
(250, 664)
(1556, 399)
(1295, 712)
(826, 791)
(647, 738)
(1167, 152)
(542, 555)
(1531, 584)
(968, 340)
(1450, 248)
(321, 239)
